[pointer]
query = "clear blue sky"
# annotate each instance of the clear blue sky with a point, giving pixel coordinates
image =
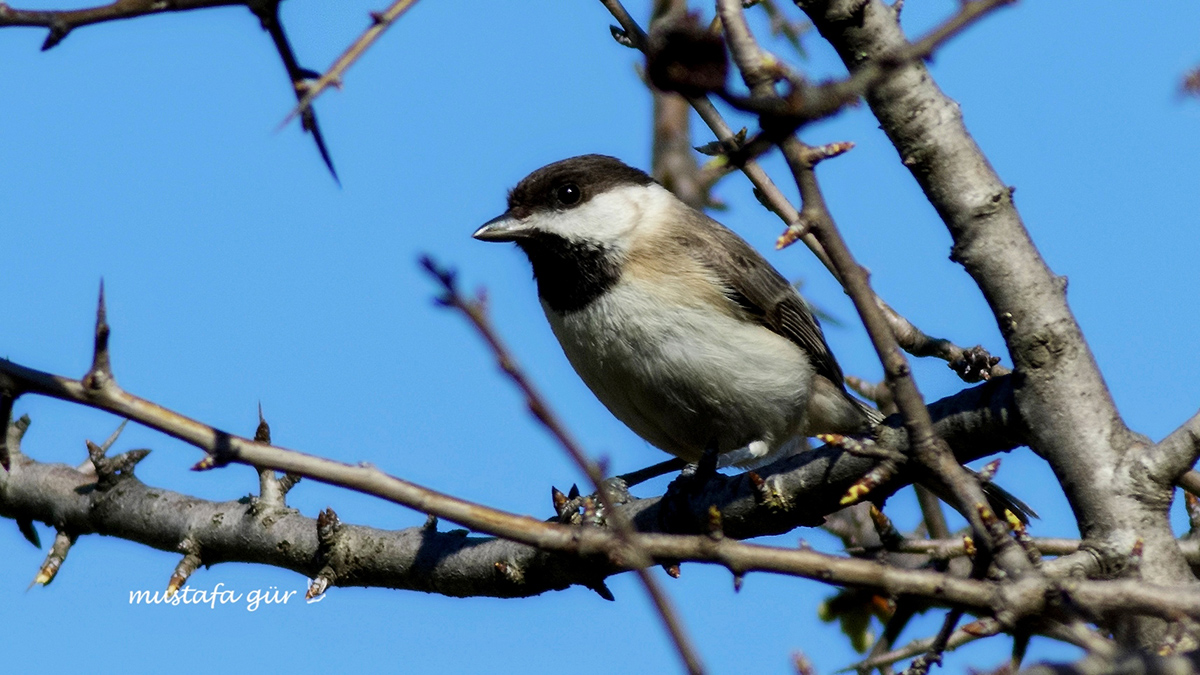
(237, 271)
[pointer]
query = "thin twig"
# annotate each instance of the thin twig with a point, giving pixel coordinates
(770, 194)
(61, 22)
(1022, 597)
(380, 22)
(475, 310)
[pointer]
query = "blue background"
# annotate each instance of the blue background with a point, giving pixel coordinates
(143, 152)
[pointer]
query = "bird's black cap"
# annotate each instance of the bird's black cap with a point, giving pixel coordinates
(592, 174)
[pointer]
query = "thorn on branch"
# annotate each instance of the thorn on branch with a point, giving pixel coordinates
(272, 489)
(431, 523)
(183, 571)
(602, 590)
(764, 201)
(25, 525)
(112, 438)
(565, 507)
(101, 371)
(1020, 646)
(54, 559)
(672, 570)
(111, 470)
(558, 499)
(263, 433)
(58, 31)
(738, 580)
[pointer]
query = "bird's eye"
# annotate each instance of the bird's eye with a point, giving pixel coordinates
(568, 194)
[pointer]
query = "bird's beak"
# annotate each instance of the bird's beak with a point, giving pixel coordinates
(502, 228)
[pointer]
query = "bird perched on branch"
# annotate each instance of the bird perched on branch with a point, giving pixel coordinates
(677, 325)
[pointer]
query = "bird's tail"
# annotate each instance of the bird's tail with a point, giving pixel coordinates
(870, 412)
(1002, 500)
(999, 499)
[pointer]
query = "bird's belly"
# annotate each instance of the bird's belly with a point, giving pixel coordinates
(686, 378)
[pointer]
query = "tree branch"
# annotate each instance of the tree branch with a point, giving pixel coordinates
(1175, 454)
(1073, 420)
(62, 22)
(309, 91)
(766, 189)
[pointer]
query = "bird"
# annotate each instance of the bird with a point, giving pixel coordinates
(677, 325)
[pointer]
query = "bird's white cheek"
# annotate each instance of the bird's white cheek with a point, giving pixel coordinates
(607, 219)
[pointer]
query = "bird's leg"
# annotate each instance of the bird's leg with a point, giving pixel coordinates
(675, 513)
(661, 469)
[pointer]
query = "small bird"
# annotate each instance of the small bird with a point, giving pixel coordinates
(684, 331)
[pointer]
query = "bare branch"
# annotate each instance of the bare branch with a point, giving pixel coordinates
(308, 91)
(1073, 421)
(1175, 454)
(769, 193)
(62, 22)
(476, 312)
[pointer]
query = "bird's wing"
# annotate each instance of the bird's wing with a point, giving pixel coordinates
(759, 290)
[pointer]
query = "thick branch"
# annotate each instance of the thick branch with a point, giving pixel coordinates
(1176, 453)
(1062, 395)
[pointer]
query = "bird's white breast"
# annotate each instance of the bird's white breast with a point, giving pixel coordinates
(681, 374)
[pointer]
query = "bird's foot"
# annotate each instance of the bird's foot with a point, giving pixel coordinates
(678, 510)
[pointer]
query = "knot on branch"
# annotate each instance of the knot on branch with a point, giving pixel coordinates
(974, 365)
(329, 556)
